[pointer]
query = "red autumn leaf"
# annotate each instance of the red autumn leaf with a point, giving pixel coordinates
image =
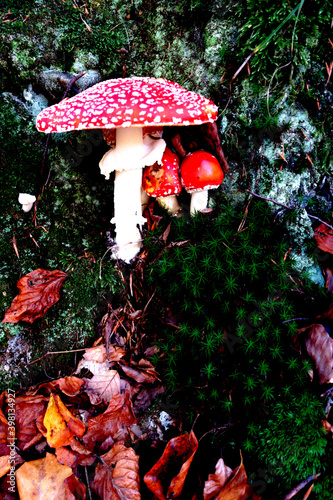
(72, 458)
(178, 453)
(324, 238)
(319, 346)
(39, 290)
(28, 409)
(68, 385)
(74, 490)
(112, 425)
(117, 477)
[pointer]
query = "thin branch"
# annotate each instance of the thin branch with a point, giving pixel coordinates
(55, 352)
(288, 208)
(300, 486)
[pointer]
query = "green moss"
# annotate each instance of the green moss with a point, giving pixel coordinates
(231, 292)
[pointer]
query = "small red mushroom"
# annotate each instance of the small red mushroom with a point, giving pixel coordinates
(162, 182)
(200, 171)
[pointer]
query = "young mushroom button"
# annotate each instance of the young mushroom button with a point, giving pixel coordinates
(162, 182)
(200, 171)
(128, 105)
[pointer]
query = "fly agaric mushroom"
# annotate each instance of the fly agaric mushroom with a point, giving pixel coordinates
(162, 182)
(128, 105)
(200, 171)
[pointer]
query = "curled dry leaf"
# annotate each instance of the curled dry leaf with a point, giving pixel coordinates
(42, 478)
(117, 477)
(178, 453)
(142, 372)
(38, 291)
(216, 481)
(60, 424)
(324, 238)
(319, 346)
(236, 487)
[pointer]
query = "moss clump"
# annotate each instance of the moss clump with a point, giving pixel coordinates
(229, 352)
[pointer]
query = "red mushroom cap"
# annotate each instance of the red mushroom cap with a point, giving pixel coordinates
(128, 102)
(200, 171)
(162, 180)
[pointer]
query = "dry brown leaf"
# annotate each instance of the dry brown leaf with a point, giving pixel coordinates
(28, 410)
(102, 387)
(216, 481)
(70, 386)
(178, 454)
(72, 459)
(319, 346)
(142, 372)
(99, 353)
(324, 238)
(74, 490)
(60, 424)
(117, 477)
(329, 279)
(42, 478)
(236, 487)
(38, 291)
(112, 425)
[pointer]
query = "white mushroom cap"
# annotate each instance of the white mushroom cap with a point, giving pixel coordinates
(27, 201)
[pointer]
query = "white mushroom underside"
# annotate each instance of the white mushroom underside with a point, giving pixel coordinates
(128, 158)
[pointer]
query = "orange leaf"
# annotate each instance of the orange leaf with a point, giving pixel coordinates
(42, 478)
(39, 290)
(68, 385)
(178, 453)
(4, 465)
(117, 477)
(324, 238)
(61, 425)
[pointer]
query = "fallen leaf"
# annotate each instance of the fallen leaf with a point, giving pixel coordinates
(72, 459)
(38, 291)
(74, 490)
(324, 238)
(117, 477)
(236, 487)
(216, 481)
(60, 424)
(319, 346)
(329, 279)
(43, 478)
(102, 387)
(178, 454)
(28, 410)
(70, 386)
(99, 353)
(142, 372)
(112, 425)
(4, 465)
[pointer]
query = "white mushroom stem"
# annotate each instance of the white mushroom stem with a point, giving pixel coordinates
(170, 203)
(130, 155)
(199, 200)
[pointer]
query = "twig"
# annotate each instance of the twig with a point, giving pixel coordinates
(301, 486)
(55, 352)
(288, 208)
(88, 483)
